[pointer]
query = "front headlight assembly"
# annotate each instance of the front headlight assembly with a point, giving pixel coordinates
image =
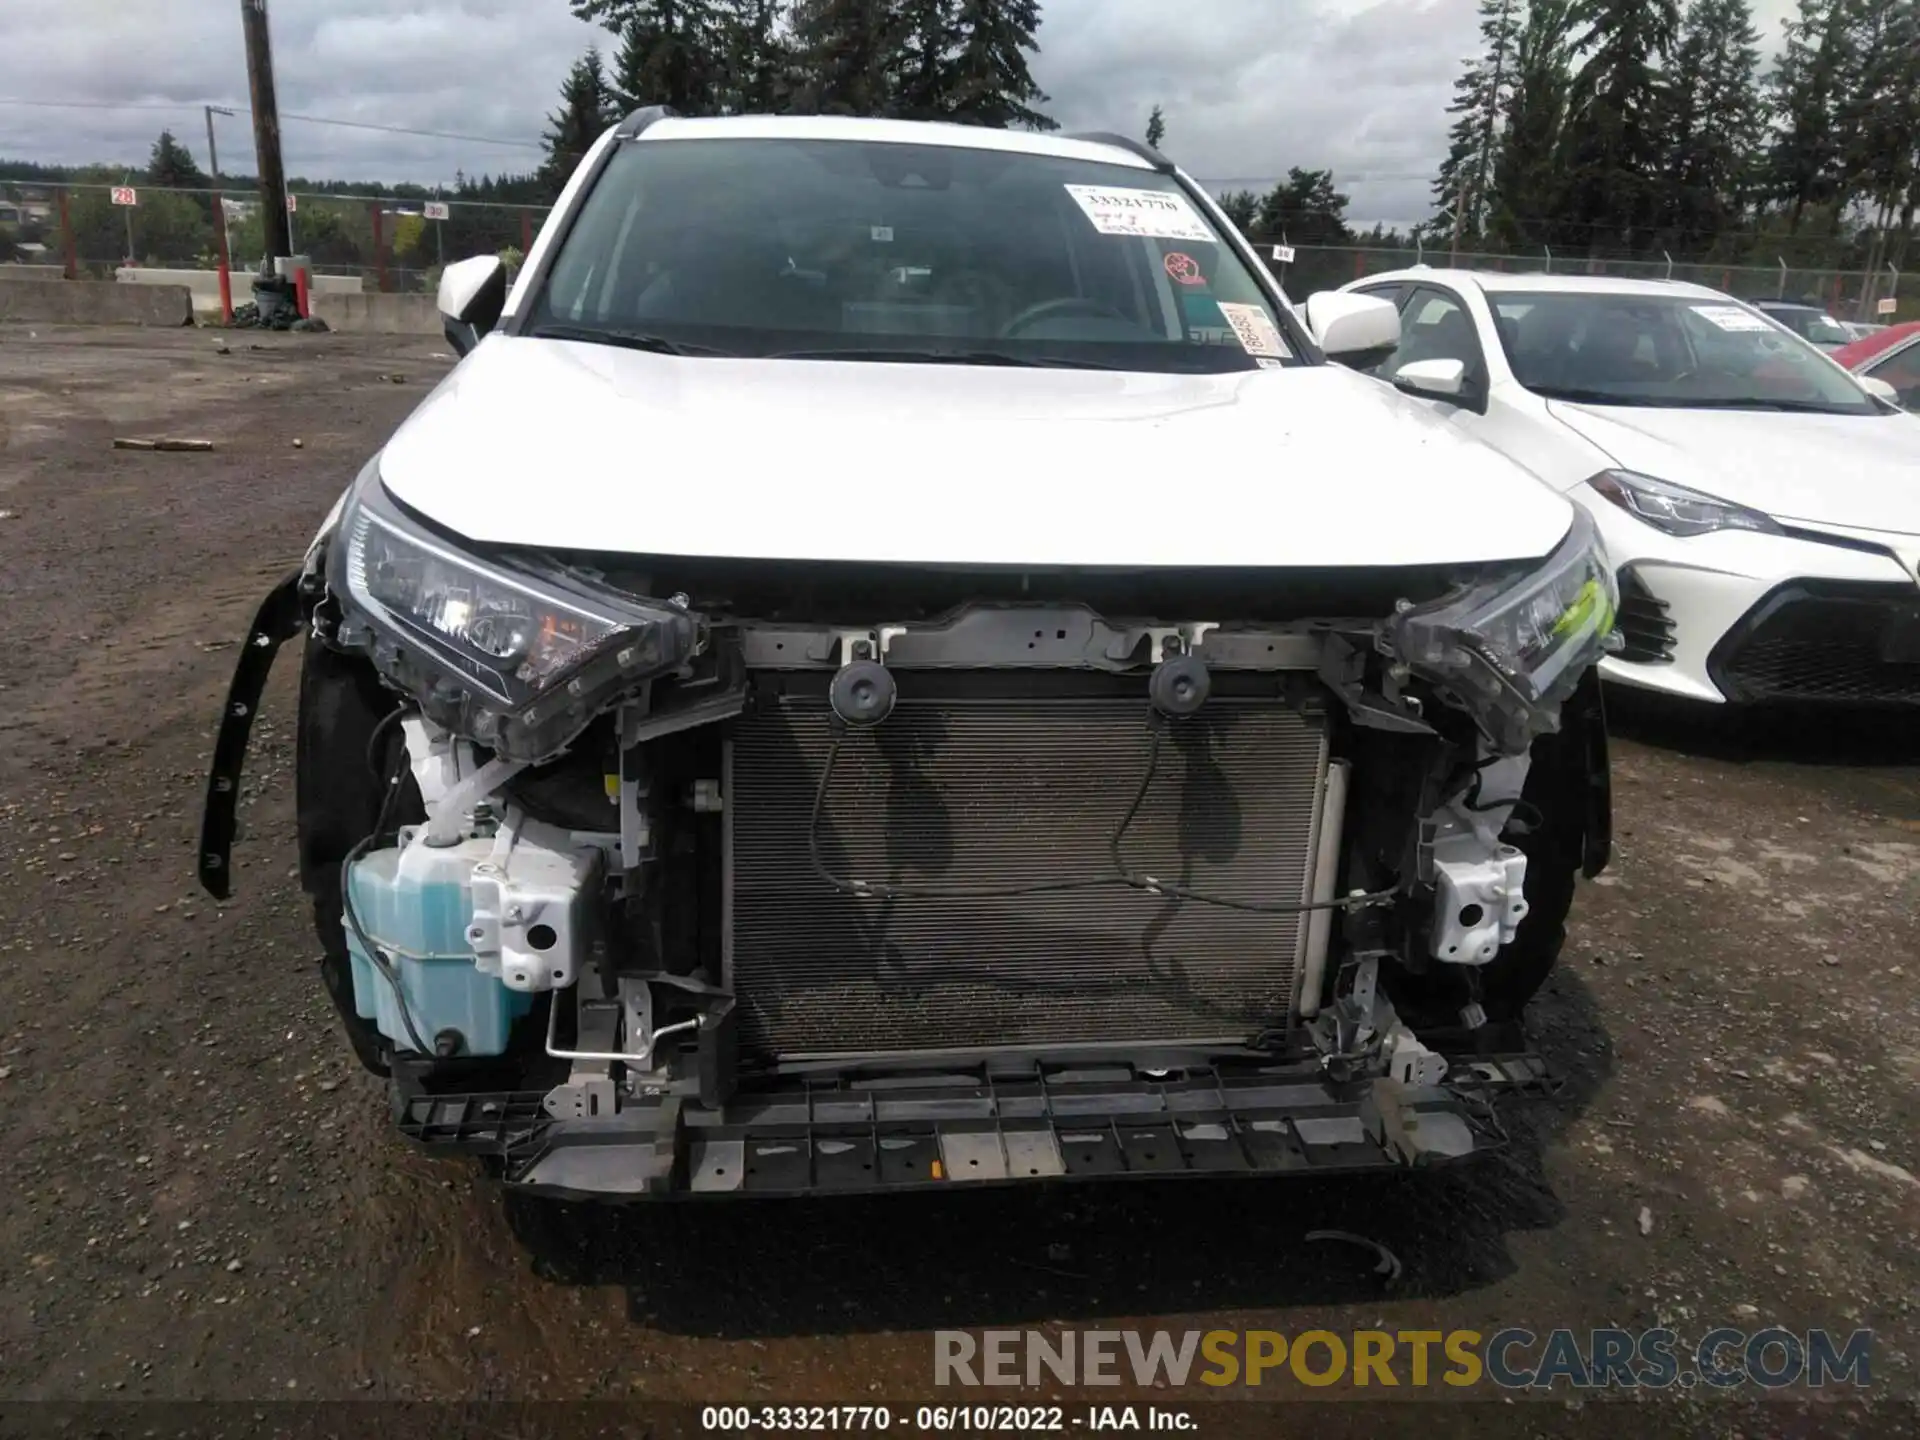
(1512, 649)
(1674, 508)
(509, 651)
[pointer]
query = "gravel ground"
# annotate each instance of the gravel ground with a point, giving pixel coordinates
(204, 1200)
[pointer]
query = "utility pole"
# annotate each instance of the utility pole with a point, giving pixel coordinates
(266, 132)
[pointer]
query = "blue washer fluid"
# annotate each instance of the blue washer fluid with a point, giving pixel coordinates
(415, 903)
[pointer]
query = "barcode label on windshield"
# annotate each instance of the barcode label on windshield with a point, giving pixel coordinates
(1255, 330)
(1154, 214)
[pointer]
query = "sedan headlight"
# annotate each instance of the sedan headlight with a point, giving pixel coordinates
(1674, 508)
(508, 651)
(1511, 649)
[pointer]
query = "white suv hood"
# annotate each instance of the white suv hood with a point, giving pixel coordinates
(563, 445)
(1857, 471)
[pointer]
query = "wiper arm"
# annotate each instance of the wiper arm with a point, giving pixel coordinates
(625, 339)
(1797, 407)
(945, 357)
(1588, 397)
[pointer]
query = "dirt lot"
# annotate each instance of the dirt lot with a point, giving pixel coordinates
(204, 1199)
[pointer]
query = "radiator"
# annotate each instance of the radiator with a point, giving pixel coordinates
(982, 794)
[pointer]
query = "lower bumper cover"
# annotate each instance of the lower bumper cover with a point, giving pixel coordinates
(908, 1131)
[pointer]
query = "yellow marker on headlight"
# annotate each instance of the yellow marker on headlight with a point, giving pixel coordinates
(1591, 606)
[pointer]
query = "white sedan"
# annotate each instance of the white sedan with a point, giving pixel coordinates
(1761, 506)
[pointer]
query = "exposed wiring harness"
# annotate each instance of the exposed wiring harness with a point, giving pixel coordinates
(1120, 875)
(392, 779)
(1525, 811)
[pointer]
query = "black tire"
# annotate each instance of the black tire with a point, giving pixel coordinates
(337, 804)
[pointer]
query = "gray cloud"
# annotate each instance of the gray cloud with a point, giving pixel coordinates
(1250, 87)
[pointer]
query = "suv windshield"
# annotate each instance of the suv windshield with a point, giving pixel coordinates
(880, 251)
(1685, 352)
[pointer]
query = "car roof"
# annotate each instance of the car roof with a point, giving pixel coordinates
(895, 132)
(1504, 282)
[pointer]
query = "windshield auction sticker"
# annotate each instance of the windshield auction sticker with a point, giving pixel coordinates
(1255, 330)
(1155, 214)
(1732, 317)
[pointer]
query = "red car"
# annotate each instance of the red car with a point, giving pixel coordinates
(1892, 355)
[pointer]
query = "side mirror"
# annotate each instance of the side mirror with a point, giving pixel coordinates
(1443, 379)
(1879, 389)
(1354, 328)
(472, 295)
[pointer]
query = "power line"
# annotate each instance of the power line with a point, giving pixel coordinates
(184, 106)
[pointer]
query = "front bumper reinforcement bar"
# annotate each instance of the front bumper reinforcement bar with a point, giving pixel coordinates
(899, 1132)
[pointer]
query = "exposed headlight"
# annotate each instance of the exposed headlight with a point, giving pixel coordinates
(515, 656)
(1512, 649)
(1674, 508)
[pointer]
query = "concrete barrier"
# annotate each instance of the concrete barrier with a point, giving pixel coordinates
(379, 314)
(94, 302)
(21, 270)
(205, 284)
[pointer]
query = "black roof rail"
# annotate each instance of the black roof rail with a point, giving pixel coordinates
(1126, 142)
(632, 127)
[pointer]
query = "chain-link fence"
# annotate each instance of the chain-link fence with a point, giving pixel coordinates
(1859, 295)
(387, 244)
(91, 231)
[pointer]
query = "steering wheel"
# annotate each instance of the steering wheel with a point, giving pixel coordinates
(1063, 305)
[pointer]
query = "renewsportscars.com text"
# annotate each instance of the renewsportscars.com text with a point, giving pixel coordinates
(1512, 1359)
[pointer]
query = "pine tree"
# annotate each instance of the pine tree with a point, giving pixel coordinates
(1879, 116)
(926, 42)
(1527, 183)
(1306, 209)
(1715, 120)
(757, 60)
(1613, 152)
(1462, 190)
(1807, 160)
(1156, 128)
(849, 54)
(587, 106)
(991, 83)
(671, 51)
(172, 167)
(1242, 207)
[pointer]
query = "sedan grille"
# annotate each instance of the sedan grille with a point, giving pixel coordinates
(1825, 641)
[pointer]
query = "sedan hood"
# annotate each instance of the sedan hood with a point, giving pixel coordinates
(564, 445)
(1847, 470)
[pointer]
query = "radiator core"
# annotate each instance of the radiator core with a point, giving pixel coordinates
(980, 795)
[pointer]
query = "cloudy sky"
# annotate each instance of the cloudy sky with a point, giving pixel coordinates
(1250, 86)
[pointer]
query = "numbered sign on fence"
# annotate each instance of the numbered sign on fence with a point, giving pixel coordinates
(1283, 254)
(437, 210)
(1886, 305)
(291, 203)
(124, 195)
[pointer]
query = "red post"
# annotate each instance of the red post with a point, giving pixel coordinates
(1836, 291)
(1726, 281)
(379, 247)
(300, 292)
(526, 232)
(226, 274)
(66, 238)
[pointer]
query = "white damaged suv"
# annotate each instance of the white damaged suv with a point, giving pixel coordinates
(895, 659)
